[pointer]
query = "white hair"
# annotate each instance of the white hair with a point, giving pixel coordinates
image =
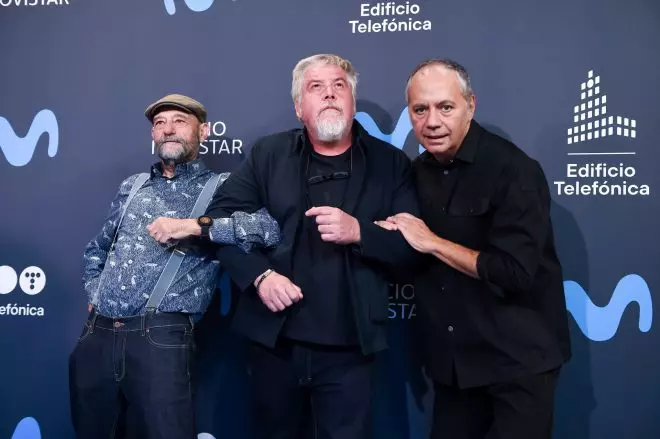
(302, 66)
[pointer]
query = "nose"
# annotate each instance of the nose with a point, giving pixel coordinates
(168, 128)
(434, 120)
(329, 93)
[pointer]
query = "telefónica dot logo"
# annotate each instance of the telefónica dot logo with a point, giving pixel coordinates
(32, 280)
(596, 323)
(27, 428)
(193, 5)
(19, 150)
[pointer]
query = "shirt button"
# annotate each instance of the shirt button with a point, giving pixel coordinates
(446, 171)
(169, 181)
(123, 287)
(130, 261)
(442, 209)
(450, 328)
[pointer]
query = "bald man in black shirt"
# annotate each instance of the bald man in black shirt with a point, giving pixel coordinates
(491, 310)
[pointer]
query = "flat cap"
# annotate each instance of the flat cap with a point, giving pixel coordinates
(181, 102)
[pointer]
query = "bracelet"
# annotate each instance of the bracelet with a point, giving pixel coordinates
(262, 277)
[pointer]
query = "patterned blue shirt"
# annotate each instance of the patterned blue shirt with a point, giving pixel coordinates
(120, 279)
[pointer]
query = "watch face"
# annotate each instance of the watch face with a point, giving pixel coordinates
(205, 220)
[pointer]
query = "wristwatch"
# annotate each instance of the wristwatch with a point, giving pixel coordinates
(205, 222)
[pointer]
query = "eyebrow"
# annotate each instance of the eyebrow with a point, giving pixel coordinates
(177, 114)
(435, 103)
(311, 81)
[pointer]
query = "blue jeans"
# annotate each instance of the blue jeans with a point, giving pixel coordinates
(130, 378)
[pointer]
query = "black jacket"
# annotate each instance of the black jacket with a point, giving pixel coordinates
(273, 176)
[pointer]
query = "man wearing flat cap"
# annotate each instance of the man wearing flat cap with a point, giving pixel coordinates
(150, 273)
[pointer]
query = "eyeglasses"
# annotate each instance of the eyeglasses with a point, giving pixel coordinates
(338, 175)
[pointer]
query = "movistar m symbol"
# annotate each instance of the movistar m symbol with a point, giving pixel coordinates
(397, 137)
(193, 5)
(28, 428)
(601, 323)
(19, 150)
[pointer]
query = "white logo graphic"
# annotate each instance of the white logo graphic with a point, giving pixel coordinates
(607, 176)
(7, 3)
(389, 17)
(32, 280)
(8, 279)
(591, 118)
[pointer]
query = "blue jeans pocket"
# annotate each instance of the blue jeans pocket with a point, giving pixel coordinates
(86, 332)
(170, 336)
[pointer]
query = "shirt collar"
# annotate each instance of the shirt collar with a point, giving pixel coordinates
(467, 153)
(187, 169)
(468, 150)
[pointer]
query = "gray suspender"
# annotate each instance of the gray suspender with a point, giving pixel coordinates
(176, 258)
(137, 184)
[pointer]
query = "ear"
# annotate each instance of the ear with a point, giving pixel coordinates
(204, 131)
(472, 105)
(298, 109)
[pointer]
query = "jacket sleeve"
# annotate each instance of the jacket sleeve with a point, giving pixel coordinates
(390, 247)
(240, 193)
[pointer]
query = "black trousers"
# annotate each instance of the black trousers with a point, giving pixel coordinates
(307, 390)
(130, 378)
(519, 409)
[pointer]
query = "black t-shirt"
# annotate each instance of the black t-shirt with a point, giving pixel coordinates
(325, 315)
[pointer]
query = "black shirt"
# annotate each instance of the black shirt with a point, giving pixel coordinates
(512, 321)
(324, 316)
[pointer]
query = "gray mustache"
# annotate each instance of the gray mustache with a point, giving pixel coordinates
(170, 139)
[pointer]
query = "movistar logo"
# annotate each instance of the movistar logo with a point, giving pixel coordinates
(397, 137)
(601, 323)
(19, 150)
(193, 5)
(28, 428)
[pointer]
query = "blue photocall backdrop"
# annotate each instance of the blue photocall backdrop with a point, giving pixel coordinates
(572, 82)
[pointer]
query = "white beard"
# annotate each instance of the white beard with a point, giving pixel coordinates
(171, 152)
(330, 129)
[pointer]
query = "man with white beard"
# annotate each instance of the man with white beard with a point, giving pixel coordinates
(315, 307)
